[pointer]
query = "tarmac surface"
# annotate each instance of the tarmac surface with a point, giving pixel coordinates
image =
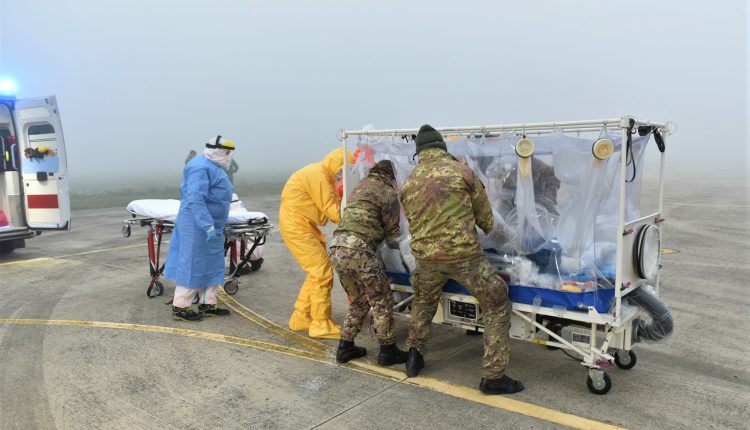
(81, 345)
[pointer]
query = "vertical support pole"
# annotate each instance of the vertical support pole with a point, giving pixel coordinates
(625, 126)
(661, 175)
(151, 251)
(592, 339)
(159, 234)
(233, 258)
(661, 206)
(343, 172)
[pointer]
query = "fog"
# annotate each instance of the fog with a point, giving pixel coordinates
(140, 83)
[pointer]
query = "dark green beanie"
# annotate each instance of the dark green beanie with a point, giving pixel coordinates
(428, 138)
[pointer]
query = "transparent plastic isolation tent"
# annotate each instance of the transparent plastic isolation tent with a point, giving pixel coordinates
(581, 259)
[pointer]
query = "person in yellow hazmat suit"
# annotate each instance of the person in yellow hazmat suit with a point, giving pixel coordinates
(309, 200)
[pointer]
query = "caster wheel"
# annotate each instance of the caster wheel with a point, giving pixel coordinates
(155, 289)
(599, 384)
(126, 230)
(196, 299)
(231, 287)
(625, 359)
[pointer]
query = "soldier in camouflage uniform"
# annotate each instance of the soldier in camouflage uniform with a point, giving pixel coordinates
(444, 203)
(371, 215)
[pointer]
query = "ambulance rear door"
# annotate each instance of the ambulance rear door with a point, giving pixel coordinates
(44, 167)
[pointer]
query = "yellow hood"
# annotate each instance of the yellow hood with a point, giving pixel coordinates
(334, 161)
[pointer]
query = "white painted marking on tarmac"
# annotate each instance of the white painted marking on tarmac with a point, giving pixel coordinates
(710, 205)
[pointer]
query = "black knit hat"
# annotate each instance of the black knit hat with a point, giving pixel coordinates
(428, 137)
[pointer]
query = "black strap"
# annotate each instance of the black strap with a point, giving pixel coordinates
(629, 158)
(659, 140)
(644, 130)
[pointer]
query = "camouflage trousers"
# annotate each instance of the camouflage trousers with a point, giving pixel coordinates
(478, 276)
(363, 279)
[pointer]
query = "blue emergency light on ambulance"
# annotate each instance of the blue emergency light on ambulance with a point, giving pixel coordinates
(33, 168)
(7, 87)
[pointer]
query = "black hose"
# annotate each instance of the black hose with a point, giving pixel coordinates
(661, 324)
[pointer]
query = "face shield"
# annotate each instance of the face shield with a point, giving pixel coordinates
(220, 151)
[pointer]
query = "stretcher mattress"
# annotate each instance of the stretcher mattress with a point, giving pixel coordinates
(167, 209)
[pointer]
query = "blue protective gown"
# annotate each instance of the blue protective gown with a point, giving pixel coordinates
(205, 196)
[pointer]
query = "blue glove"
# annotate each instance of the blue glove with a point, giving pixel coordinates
(213, 236)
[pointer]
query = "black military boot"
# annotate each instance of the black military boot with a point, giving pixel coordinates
(210, 310)
(185, 314)
(390, 354)
(414, 363)
(504, 385)
(348, 351)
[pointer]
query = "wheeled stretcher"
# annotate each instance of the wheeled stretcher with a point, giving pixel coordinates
(580, 260)
(244, 233)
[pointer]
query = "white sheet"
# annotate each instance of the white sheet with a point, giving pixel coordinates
(167, 209)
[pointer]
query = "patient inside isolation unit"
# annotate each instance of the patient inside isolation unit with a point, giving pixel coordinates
(555, 219)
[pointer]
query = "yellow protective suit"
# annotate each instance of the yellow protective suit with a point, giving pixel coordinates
(309, 200)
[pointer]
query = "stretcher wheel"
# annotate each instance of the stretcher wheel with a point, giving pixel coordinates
(625, 359)
(231, 287)
(196, 299)
(600, 384)
(255, 264)
(155, 289)
(126, 230)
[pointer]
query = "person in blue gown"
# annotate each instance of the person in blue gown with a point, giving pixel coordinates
(196, 252)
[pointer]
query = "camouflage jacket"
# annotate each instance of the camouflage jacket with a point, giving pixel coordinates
(445, 202)
(371, 213)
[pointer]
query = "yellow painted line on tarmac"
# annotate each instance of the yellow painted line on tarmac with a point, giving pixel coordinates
(505, 403)
(508, 404)
(216, 337)
(29, 261)
(465, 393)
(476, 396)
(95, 251)
(42, 262)
(269, 325)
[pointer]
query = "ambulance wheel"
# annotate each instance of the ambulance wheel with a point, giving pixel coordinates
(155, 289)
(126, 230)
(231, 287)
(255, 265)
(600, 384)
(625, 359)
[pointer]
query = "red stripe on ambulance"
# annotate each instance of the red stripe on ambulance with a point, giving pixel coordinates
(43, 201)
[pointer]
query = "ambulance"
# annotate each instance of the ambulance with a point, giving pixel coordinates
(34, 193)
